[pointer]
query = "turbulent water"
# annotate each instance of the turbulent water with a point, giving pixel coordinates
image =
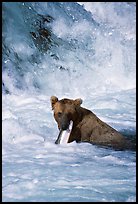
(75, 50)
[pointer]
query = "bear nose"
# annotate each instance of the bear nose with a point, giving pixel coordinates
(64, 126)
(64, 123)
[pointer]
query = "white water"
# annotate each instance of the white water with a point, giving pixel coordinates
(92, 56)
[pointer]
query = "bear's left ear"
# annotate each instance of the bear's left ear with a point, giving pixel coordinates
(78, 101)
(53, 100)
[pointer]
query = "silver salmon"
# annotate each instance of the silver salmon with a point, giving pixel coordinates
(63, 136)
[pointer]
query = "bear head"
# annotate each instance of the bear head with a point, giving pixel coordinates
(65, 110)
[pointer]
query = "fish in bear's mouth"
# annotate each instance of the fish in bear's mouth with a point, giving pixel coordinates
(64, 135)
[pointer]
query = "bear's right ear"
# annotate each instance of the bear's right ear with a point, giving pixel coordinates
(53, 100)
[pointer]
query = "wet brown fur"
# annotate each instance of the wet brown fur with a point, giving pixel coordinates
(87, 127)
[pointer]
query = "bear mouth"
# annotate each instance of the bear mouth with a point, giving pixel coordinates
(64, 135)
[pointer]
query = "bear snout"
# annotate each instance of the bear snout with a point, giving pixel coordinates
(64, 122)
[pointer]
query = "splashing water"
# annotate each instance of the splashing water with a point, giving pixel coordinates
(67, 49)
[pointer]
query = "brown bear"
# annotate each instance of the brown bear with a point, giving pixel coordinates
(87, 127)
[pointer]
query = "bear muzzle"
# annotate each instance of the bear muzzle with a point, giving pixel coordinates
(64, 122)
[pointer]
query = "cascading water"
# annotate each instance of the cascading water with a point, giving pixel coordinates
(72, 50)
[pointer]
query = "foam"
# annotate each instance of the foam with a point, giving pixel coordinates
(93, 57)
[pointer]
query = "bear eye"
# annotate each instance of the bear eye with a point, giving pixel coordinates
(59, 114)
